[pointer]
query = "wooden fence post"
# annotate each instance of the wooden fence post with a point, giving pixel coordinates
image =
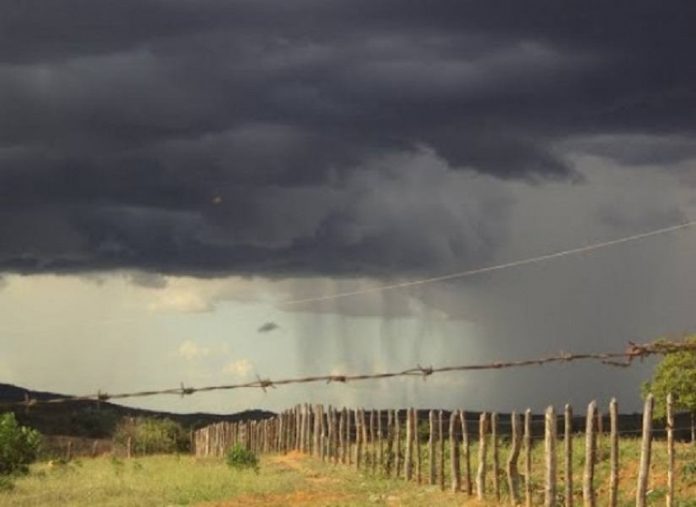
(528, 457)
(483, 447)
(643, 472)
(441, 439)
(588, 492)
(416, 438)
(363, 436)
(550, 452)
(408, 459)
(670, 451)
(390, 443)
(349, 436)
(456, 472)
(358, 439)
(431, 447)
(380, 438)
(397, 444)
(373, 451)
(568, 448)
(342, 435)
(614, 453)
(466, 443)
(496, 455)
(513, 474)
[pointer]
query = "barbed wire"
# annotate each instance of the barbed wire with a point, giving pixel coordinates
(619, 359)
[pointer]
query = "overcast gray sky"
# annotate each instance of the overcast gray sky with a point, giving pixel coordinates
(172, 171)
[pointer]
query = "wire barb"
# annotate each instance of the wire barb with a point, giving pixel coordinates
(618, 359)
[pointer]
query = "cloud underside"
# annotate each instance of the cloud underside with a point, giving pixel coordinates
(304, 138)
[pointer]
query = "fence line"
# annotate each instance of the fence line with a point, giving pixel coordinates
(302, 429)
(619, 359)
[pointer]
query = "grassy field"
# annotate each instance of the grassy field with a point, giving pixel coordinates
(292, 479)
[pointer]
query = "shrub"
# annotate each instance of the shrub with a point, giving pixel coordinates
(19, 445)
(240, 457)
(152, 436)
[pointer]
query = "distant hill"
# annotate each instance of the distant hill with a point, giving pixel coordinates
(98, 419)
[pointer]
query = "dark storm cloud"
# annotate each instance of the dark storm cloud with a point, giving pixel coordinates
(216, 137)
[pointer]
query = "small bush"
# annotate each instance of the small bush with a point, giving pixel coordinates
(240, 457)
(19, 445)
(153, 436)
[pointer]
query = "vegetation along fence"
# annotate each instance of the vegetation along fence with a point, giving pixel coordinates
(482, 456)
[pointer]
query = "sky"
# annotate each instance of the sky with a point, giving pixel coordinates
(172, 173)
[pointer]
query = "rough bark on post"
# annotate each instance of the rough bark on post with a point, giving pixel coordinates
(483, 449)
(496, 455)
(513, 474)
(380, 438)
(397, 444)
(431, 447)
(373, 453)
(389, 462)
(129, 447)
(408, 458)
(645, 448)
(528, 457)
(358, 440)
(568, 448)
(363, 436)
(550, 457)
(456, 472)
(342, 435)
(441, 438)
(614, 453)
(588, 492)
(349, 436)
(416, 438)
(466, 443)
(670, 451)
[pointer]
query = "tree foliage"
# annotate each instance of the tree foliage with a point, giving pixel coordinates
(676, 374)
(19, 445)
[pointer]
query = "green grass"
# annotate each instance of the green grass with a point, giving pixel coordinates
(295, 479)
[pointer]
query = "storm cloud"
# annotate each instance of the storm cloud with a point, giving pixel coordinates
(285, 138)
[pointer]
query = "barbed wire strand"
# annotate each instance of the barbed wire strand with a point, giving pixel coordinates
(488, 269)
(619, 359)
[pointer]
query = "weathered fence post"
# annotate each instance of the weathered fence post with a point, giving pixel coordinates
(454, 454)
(373, 452)
(568, 448)
(496, 455)
(466, 443)
(416, 438)
(380, 438)
(349, 436)
(363, 436)
(528, 457)
(550, 455)
(431, 447)
(614, 453)
(670, 451)
(358, 440)
(483, 447)
(513, 474)
(441, 439)
(588, 492)
(397, 444)
(342, 435)
(408, 459)
(390, 443)
(645, 449)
